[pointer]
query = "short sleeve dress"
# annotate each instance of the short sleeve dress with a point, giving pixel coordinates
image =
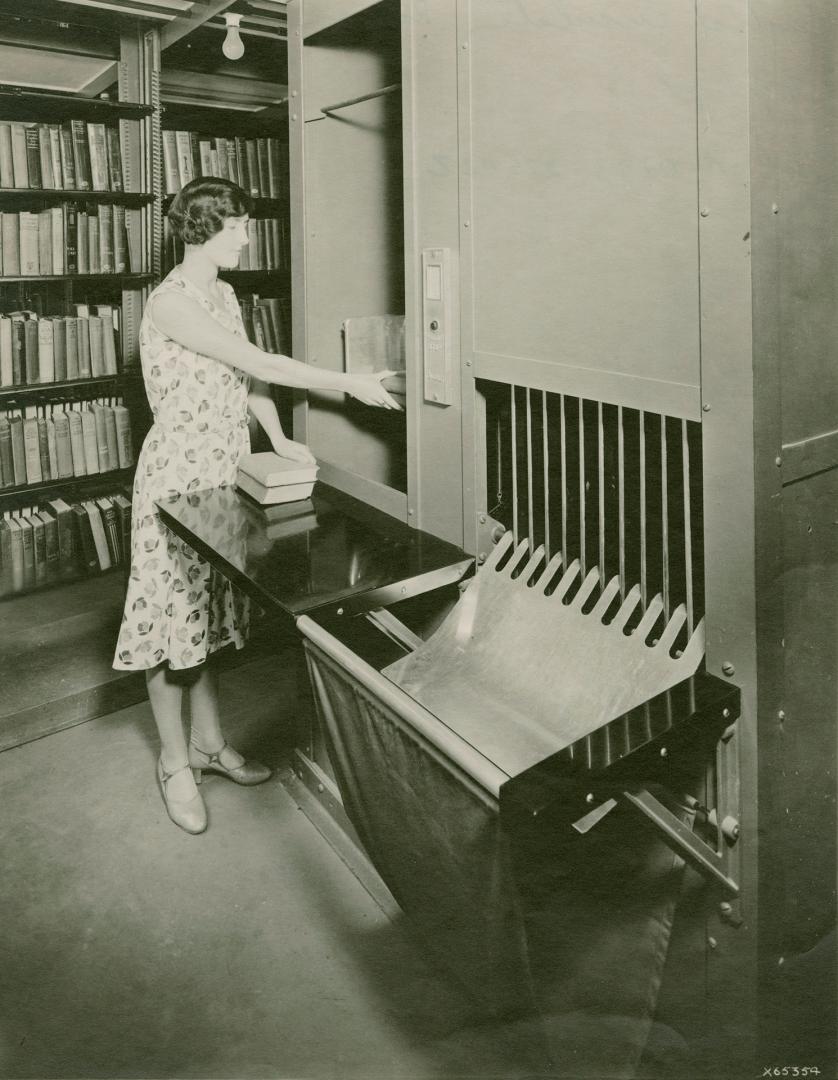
(178, 609)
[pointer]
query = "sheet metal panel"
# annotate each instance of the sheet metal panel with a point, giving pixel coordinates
(578, 198)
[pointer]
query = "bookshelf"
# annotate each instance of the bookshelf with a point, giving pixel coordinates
(75, 269)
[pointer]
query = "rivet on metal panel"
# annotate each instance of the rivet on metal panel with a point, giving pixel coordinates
(728, 668)
(712, 943)
(664, 752)
(293, 116)
(725, 908)
(775, 209)
(404, 590)
(781, 714)
(464, 45)
(589, 798)
(468, 363)
(293, 93)
(498, 532)
(725, 713)
(340, 611)
(320, 788)
(481, 558)
(730, 829)
(482, 519)
(410, 511)
(466, 224)
(778, 461)
(704, 212)
(706, 408)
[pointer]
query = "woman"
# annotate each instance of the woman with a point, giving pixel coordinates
(202, 376)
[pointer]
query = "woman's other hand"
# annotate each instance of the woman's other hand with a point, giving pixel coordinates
(295, 451)
(368, 389)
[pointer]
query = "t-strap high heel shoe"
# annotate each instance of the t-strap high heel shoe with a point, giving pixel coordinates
(248, 773)
(190, 814)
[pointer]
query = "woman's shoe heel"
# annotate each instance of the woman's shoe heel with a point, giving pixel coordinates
(198, 774)
(248, 773)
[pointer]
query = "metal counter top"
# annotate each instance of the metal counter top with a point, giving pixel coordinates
(330, 553)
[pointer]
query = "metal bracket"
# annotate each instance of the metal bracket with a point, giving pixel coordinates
(488, 531)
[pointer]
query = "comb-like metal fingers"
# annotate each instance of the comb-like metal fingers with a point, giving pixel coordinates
(672, 628)
(626, 608)
(695, 647)
(517, 557)
(568, 578)
(500, 549)
(533, 564)
(653, 613)
(549, 571)
(586, 588)
(604, 603)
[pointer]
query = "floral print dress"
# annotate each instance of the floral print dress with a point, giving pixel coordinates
(178, 609)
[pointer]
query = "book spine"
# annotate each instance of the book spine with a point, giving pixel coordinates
(11, 243)
(43, 447)
(171, 172)
(81, 155)
(52, 448)
(46, 350)
(97, 527)
(28, 539)
(33, 156)
(30, 329)
(91, 452)
(59, 347)
(57, 234)
(53, 555)
(102, 451)
(105, 214)
(55, 155)
(252, 167)
(32, 451)
(7, 173)
(18, 450)
(71, 333)
(77, 443)
(39, 548)
(123, 436)
(83, 242)
(98, 151)
(114, 158)
(19, 158)
(29, 244)
(63, 446)
(83, 538)
(71, 224)
(45, 154)
(45, 242)
(68, 161)
(120, 236)
(83, 326)
(6, 464)
(6, 360)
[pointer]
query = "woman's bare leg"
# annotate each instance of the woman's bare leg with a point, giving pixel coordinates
(165, 695)
(205, 715)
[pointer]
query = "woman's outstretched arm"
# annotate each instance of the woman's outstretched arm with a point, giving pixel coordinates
(184, 320)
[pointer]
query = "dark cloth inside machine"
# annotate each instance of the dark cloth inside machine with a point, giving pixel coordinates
(531, 918)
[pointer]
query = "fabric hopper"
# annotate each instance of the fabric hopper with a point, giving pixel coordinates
(522, 782)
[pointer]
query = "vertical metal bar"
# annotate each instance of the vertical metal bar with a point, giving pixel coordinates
(582, 523)
(643, 582)
(545, 447)
(565, 555)
(621, 499)
(530, 514)
(601, 479)
(664, 520)
(514, 434)
(688, 537)
(499, 458)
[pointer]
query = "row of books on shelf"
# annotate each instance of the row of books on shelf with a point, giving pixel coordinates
(51, 348)
(260, 166)
(73, 156)
(267, 248)
(59, 540)
(69, 239)
(267, 321)
(46, 443)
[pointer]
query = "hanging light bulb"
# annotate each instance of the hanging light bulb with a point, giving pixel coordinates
(233, 48)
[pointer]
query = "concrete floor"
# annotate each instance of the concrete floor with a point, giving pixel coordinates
(130, 949)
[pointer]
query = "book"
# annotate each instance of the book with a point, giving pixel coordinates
(98, 153)
(57, 234)
(7, 175)
(63, 445)
(171, 172)
(43, 447)
(264, 172)
(39, 547)
(52, 447)
(81, 154)
(18, 450)
(205, 152)
(45, 242)
(33, 351)
(97, 353)
(19, 157)
(91, 450)
(100, 540)
(18, 349)
(114, 148)
(185, 168)
(6, 363)
(83, 541)
(83, 336)
(77, 443)
(29, 244)
(45, 152)
(110, 520)
(122, 504)
(46, 350)
(10, 233)
(6, 581)
(55, 155)
(111, 436)
(269, 495)
(60, 511)
(83, 242)
(59, 346)
(28, 538)
(93, 248)
(32, 451)
(102, 451)
(33, 156)
(71, 339)
(122, 418)
(271, 470)
(7, 469)
(120, 240)
(106, 313)
(51, 544)
(105, 215)
(252, 167)
(70, 230)
(68, 161)
(16, 545)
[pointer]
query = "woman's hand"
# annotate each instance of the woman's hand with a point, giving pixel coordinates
(368, 389)
(294, 451)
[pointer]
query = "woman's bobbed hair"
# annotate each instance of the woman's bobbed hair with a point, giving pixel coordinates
(199, 209)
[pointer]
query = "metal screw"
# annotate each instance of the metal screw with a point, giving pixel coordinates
(704, 212)
(482, 519)
(730, 829)
(725, 713)
(468, 363)
(320, 788)
(293, 93)
(293, 116)
(775, 209)
(781, 715)
(728, 668)
(410, 511)
(778, 461)
(664, 752)
(706, 408)
(589, 798)
(404, 590)
(712, 943)
(481, 558)
(725, 908)
(466, 224)
(340, 611)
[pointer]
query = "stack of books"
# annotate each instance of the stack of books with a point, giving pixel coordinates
(85, 238)
(52, 348)
(58, 541)
(42, 443)
(269, 479)
(73, 156)
(260, 166)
